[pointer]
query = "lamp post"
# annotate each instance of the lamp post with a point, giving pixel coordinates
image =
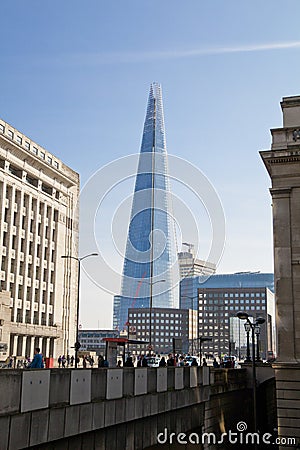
(247, 329)
(77, 343)
(260, 320)
(257, 332)
(128, 325)
(192, 308)
(151, 283)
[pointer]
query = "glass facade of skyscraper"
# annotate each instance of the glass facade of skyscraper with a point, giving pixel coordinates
(150, 266)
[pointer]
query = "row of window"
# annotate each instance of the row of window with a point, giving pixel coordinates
(153, 315)
(138, 321)
(29, 146)
(225, 302)
(162, 327)
(239, 294)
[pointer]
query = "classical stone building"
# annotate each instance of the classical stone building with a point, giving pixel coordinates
(283, 165)
(38, 224)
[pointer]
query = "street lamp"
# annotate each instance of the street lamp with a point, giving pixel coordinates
(192, 308)
(257, 332)
(77, 343)
(247, 329)
(151, 283)
(260, 320)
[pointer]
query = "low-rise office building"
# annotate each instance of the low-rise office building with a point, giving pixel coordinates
(219, 298)
(166, 324)
(92, 340)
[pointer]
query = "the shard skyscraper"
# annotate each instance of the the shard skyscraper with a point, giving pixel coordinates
(150, 271)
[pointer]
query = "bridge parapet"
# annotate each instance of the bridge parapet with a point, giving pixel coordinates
(41, 406)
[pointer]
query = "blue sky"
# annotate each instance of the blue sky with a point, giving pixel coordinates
(75, 77)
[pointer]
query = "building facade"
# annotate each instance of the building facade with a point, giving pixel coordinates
(219, 298)
(218, 308)
(38, 224)
(165, 324)
(91, 340)
(189, 266)
(150, 271)
(282, 162)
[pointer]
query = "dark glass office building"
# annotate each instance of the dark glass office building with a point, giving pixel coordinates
(150, 263)
(219, 299)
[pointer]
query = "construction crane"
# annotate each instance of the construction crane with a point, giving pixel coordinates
(190, 247)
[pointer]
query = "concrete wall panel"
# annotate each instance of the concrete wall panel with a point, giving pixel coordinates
(80, 391)
(72, 420)
(19, 434)
(39, 427)
(162, 379)
(35, 390)
(59, 387)
(205, 376)
(114, 387)
(99, 384)
(179, 384)
(140, 382)
(56, 424)
(10, 389)
(4, 432)
(193, 377)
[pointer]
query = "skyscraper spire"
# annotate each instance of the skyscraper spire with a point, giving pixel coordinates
(151, 253)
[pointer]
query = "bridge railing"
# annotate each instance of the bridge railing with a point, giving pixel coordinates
(28, 390)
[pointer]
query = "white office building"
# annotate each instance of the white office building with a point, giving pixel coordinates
(38, 224)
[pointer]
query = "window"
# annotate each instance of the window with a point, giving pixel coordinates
(35, 150)
(42, 155)
(56, 165)
(2, 128)
(10, 134)
(49, 160)
(19, 139)
(27, 145)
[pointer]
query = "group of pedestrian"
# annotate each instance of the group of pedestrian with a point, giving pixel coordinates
(64, 361)
(102, 362)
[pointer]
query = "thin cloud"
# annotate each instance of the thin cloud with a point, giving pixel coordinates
(135, 57)
(99, 58)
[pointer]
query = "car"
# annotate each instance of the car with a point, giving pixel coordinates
(189, 360)
(152, 361)
(230, 362)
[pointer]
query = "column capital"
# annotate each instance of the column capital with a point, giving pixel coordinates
(280, 192)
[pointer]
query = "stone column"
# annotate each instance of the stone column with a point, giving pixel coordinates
(47, 347)
(283, 165)
(31, 346)
(15, 346)
(23, 350)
